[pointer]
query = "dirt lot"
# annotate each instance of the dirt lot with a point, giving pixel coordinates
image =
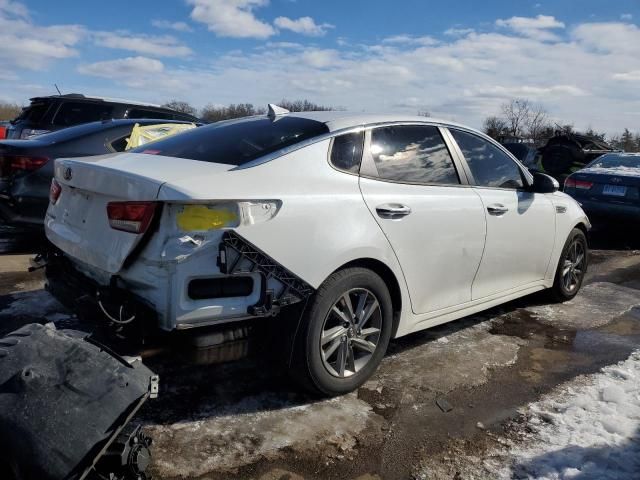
(442, 399)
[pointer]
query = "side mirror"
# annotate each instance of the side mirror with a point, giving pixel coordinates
(543, 183)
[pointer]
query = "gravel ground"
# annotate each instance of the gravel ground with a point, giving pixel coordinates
(442, 404)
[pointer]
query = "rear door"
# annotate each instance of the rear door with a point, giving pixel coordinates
(520, 223)
(433, 220)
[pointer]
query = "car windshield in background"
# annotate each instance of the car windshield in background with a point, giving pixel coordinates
(237, 142)
(616, 161)
(34, 112)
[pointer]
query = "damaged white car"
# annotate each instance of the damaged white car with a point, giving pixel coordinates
(373, 226)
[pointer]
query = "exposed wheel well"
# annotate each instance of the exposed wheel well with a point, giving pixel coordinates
(582, 227)
(389, 278)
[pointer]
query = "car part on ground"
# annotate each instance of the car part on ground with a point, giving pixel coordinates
(55, 112)
(26, 166)
(238, 220)
(608, 189)
(64, 404)
(566, 153)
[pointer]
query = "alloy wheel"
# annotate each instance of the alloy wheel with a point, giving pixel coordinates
(351, 332)
(573, 266)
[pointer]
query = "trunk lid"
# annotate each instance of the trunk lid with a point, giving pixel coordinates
(611, 185)
(78, 223)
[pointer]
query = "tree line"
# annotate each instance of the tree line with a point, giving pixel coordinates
(215, 113)
(523, 119)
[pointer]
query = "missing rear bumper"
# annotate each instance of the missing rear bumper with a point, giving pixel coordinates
(280, 286)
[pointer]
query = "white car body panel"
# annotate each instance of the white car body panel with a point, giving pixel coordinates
(438, 255)
(457, 215)
(519, 242)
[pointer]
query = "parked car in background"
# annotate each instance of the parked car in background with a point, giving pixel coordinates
(47, 114)
(3, 129)
(26, 166)
(377, 225)
(609, 188)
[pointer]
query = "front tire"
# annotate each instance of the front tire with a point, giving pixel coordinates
(572, 267)
(344, 333)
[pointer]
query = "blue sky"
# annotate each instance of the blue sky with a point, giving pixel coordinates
(458, 59)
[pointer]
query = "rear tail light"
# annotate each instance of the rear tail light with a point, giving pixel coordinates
(133, 217)
(54, 192)
(581, 184)
(10, 164)
(3, 132)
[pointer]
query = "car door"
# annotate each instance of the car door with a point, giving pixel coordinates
(520, 223)
(433, 220)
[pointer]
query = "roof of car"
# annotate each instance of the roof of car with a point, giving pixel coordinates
(339, 120)
(80, 96)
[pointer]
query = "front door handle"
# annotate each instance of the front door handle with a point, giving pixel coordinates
(497, 209)
(393, 211)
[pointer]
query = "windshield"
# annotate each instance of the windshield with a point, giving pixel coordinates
(616, 161)
(237, 142)
(34, 112)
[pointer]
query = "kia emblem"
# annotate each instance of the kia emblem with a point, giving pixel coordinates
(67, 174)
(616, 180)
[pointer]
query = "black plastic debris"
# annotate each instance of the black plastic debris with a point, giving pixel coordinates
(64, 404)
(443, 404)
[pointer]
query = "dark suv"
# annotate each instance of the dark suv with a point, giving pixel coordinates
(46, 114)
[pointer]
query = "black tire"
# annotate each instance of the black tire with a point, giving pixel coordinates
(563, 290)
(313, 370)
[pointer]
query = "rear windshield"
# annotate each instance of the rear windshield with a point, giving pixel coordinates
(34, 112)
(616, 161)
(237, 142)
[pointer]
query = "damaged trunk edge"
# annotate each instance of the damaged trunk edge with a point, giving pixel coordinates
(65, 406)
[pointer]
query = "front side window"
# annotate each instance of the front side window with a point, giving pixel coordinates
(141, 113)
(74, 113)
(489, 165)
(412, 154)
(346, 152)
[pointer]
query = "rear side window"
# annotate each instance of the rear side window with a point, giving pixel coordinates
(74, 113)
(237, 142)
(34, 112)
(141, 113)
(346, 152)
(412, 154)
(489, 165)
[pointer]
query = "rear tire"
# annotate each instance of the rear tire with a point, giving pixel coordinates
(344, 333)
(571, 268)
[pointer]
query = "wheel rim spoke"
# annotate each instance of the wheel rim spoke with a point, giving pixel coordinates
(332, 334)
(331, 349)
(362, 302)
(343, 316)
(365, 345)
(346, 299)
(342, 358)
(367, 314)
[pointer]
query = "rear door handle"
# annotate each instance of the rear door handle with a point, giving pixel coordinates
(497, 209)
(392, 211)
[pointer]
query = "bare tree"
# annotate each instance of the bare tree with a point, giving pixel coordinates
(536, 121)
(495, 127)
(303, 106)
(516, 113)
(9, 111)
(424, 113)
(181, 106)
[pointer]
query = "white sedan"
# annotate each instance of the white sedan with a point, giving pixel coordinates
(371, 226)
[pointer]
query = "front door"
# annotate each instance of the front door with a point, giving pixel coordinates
(520, 223)
(434, 222)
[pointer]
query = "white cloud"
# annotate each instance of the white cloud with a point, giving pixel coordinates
(458, 32)
(409, 40)
(626, 16)
(169, 25)
(320, 58)
(131, 71)
(609, 37)
(534, 27)
(231, 18)
(31, 46)
(157, 46)
(632, 76)
(303, 25)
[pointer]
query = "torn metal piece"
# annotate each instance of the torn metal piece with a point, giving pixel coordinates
(64, 400)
